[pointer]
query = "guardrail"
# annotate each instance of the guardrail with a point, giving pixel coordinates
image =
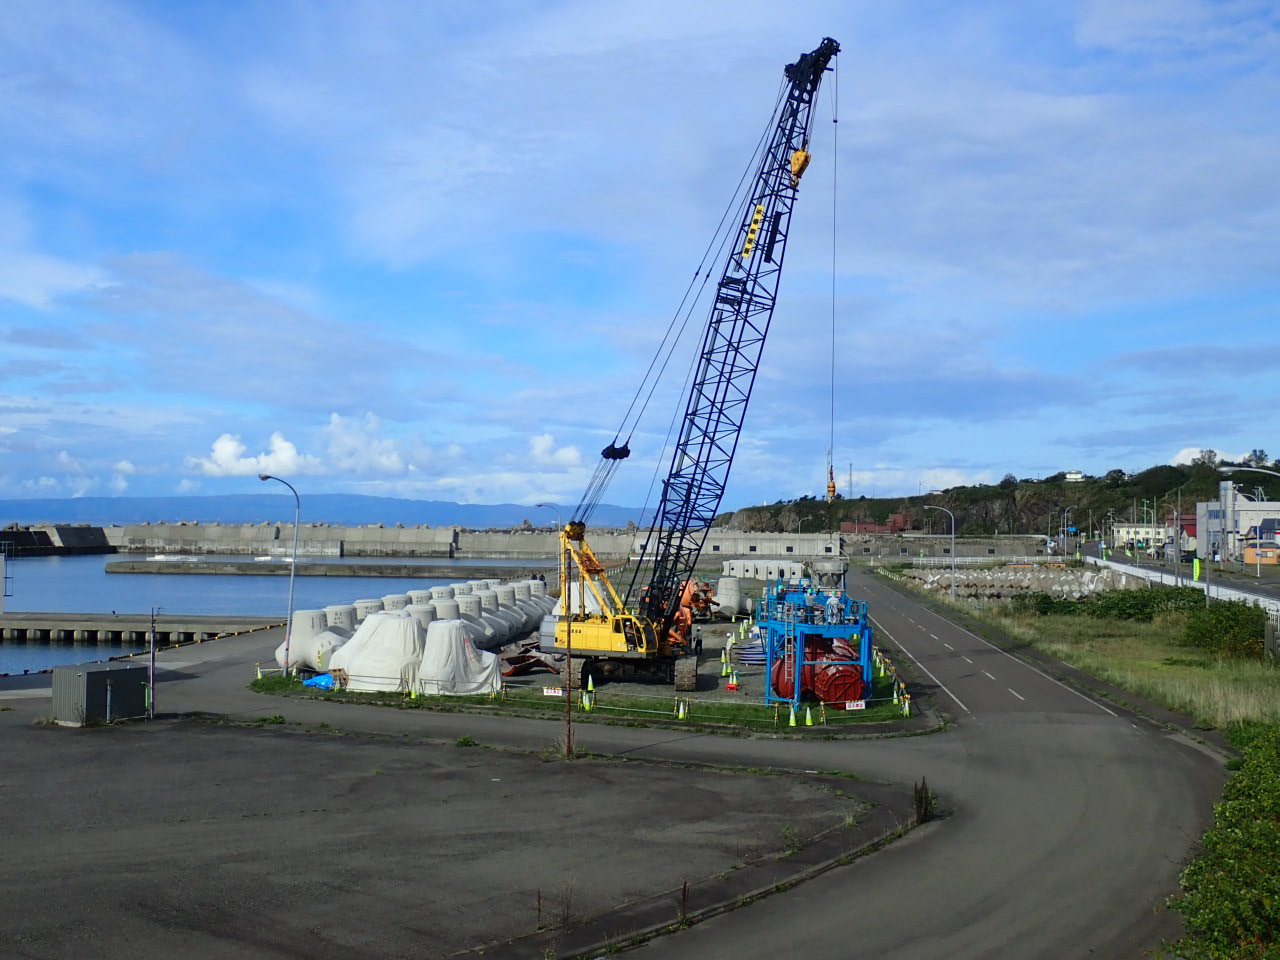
(982, 561)
(1270, 604)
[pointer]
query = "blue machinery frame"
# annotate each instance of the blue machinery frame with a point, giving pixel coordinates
(795, 611)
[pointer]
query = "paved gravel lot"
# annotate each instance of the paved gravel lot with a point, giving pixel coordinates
(197, 839)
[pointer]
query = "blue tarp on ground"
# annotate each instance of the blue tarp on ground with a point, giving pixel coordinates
(324, 681)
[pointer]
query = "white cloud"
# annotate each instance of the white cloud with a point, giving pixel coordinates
(544, 453)
(227, 459)
(68, 462)
(32, 278)
(1187, 454)
(124, 466)
(119, 484)
(187, 485)
(36, 280)
(355, 445)
(42, 485)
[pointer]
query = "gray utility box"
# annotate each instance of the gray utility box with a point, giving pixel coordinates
(99, 692)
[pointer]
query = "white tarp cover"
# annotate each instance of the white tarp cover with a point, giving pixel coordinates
(383, 654)
(451, 664)
(313, 652)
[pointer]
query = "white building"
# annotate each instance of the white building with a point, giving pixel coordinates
(1224, 525)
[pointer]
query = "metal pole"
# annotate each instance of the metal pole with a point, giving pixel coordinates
(151, 678)
(953, 545)
(293, 563)
(566, 592)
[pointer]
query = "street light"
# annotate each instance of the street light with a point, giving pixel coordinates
(566, 604)
(953, 546)
(293, 564)
(551, 506)
(1257, 553)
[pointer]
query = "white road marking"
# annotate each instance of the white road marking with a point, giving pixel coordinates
(934, 635)
(965, 659)
(1064, 686)
(989, 675)
(879, 626)
(947, 645)
(1015, 693)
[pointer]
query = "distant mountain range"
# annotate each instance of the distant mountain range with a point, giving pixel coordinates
(338, 508)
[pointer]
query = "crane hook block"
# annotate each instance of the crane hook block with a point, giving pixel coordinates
(612, 452)
(575, 530)
(799, 164)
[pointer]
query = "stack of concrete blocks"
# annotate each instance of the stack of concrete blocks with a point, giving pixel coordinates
(1063, 583)
(763, 569)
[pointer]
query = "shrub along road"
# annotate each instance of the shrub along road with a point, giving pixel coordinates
(1064, 823)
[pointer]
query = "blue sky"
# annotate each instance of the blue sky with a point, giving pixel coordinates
(426, 250)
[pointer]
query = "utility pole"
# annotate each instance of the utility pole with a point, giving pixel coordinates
(151, 677)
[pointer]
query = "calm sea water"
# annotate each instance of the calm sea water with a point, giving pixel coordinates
(82, 585)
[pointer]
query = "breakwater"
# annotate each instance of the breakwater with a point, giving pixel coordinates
(279, 569)
(110, 628)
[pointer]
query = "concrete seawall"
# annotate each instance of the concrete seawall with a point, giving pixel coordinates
(452, 571)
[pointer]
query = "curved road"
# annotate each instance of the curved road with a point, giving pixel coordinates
(1065, 821)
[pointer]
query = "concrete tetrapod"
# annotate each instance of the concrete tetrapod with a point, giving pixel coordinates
(341, 615)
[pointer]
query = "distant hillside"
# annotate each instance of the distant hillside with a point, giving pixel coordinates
(345, 509)
(1012, 506)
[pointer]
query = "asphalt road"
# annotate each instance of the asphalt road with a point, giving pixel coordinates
(1066, 824)
(1065, 821)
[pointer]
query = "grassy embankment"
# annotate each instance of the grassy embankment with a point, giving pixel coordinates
(615, 708)
(1155, 659)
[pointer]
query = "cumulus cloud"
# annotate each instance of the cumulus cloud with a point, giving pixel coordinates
(124, 466)
(227, 459)
(1187, 454)
(119, 484)
(544, 453)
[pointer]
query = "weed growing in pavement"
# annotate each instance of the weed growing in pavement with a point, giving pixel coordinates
(924, 802)
(275, 718)
(465, 741)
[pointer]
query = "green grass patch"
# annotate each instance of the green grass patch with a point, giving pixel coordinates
(618, 708)
(1152, 659)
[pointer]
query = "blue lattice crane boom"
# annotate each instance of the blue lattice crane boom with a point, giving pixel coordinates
(656, 635)
(731, 347)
